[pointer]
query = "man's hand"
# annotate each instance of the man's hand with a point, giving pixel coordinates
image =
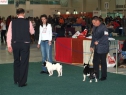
(10, 49)
(38, 46)
(91, 49)
(96, 42)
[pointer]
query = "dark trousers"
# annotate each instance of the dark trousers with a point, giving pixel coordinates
(100, 59)
(21, 53)
(3, 36)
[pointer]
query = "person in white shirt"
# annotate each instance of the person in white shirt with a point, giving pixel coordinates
(3, 31)
(45, 41)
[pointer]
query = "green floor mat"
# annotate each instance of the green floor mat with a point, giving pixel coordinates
(69, 84)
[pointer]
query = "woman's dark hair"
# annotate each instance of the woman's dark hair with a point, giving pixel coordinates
(44, 15)
(97, 18)
(20, 11)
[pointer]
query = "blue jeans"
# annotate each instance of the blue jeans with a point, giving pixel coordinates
(46, 51)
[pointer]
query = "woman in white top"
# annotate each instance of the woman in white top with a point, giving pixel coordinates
(3, 31)
(45, 41)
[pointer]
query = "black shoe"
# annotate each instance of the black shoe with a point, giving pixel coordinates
(47, 72)
(15, 82)
(42, 72)
(23, 85)
(103, 78)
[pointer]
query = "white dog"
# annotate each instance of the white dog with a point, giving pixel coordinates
(51, 67)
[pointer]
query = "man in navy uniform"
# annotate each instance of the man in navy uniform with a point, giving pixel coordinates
(100, 46)
(18, 42)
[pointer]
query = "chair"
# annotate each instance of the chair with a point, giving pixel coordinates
(70, 29)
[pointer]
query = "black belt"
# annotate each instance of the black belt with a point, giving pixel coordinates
(44, 40)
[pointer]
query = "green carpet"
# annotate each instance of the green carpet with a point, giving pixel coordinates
(120, 38)
(69, 84)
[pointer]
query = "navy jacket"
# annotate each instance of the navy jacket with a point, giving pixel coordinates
(99, 34)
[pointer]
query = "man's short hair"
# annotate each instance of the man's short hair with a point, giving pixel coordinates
(20, 11)
(96, 18)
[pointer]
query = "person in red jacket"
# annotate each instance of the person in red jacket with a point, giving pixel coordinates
(116, 26)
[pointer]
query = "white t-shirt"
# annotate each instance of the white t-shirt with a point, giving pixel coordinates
(45, 33)
(3, 26)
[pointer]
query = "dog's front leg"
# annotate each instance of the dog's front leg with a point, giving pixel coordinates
(84, 77)
(90, 80)
(52, 72)
(96, 80)
(49, 73)
(58, 73)
(61, 72)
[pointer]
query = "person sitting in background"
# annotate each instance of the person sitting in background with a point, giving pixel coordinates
(107, 20)
(116, 26)
(61, 20)
(83, 23)
(110, 28)
(79, 20)
(61, 32)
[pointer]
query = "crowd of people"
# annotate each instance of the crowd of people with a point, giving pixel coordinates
(116, 24)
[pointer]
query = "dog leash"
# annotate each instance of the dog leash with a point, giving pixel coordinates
(90, 57)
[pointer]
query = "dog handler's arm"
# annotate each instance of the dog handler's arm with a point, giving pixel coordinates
(50, 35)
(92, 41)
(38, 46)
(39, 41)
(9, 37)
(92, 45)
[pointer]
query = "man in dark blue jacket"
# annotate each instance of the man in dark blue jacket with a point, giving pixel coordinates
(100, 47)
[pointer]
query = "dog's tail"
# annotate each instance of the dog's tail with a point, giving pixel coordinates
(61, 67)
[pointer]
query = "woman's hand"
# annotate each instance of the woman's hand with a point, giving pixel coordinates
(50, 42)
(38, 46)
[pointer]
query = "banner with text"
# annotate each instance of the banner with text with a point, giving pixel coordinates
(3, 2)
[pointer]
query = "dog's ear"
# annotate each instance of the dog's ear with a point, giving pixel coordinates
(84, 64)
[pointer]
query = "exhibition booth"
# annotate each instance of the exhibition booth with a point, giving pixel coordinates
(76, 51)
